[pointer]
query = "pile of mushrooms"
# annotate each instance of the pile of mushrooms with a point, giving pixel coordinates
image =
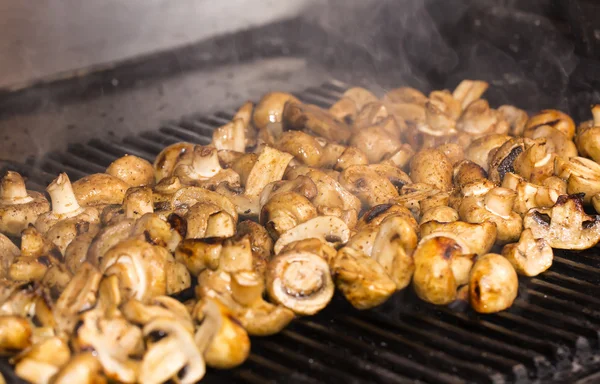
(438, 193)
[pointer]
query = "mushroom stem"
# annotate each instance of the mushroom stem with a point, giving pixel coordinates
(596, 114)
(13, 188)
(62, 196)
(205, 161)
(138, 201)
(246, 287)
(500, 201)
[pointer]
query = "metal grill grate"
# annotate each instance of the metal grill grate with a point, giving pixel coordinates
(552, 328)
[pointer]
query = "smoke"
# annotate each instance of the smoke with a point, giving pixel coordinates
(520, 49)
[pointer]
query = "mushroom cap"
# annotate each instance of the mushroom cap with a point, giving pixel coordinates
(18, 206)
(260, 241)
(199, 254)
(493, 284)
(480, 237)
(405, 95)
(554, 118)
(303, 146)
(99, 189)
(344, 109)
(209, 220)
(360, 96)
(231, 136)
(186, 197)
(165, 161)
(432, 167)
(515, 117)
(530, 256)
(133, 170)
(270, 108)
(329, 229)
(375, 142)
(479, 150)
(297, 116)
(284, 211)
(468, 91)
(300, 281)
(366, 184)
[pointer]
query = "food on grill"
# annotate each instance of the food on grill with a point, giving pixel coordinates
(289, 203)
(18, 206)
(493, 284)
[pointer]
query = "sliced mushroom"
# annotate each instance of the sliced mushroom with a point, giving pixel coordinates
(366, 184)
(469, 91)
(556, 141)
(15, 334)
(530, 195)
(165, 161)
(186, 197)
(270, 109)
(376, 142)
(198, 254)
(329, 229)
(480, 149)
(437, 278)
(154, 230)
(9, 251)
(159, 307)
(201, 167)
(493, 284)
(431, 167)
(133, 170)
(107, 238)
(41, 361)
(208, 220)
(231, 136)
(502, 161)
(244, 113)
(223, 340)
(495, 206)
(300, 281)
(480, 237)
(37, 255)
(530, 256)
(412, 195)
(588, 137)
(361, 279)
(260, 241)
(478, 119)
(565, 225)
(83, 368)
(553, 118)
(18, 206)
(344, 109)
(582, 176)
(304, 147)
(285, 211)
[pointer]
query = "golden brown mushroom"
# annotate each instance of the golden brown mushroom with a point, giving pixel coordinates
(133, 170)
(493, 284)
(167, 159)
(588, 137)
(99, 189)
(329, 229)
(297, 116)
(479, 237)
(582, 176)
(18, 206)
(431, 167)
(480, 149)
(270, 109)
(530, 256)
(553, 118)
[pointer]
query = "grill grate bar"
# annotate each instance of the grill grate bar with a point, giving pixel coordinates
(119, 150)
(144, 144)
(183, 134)
(578, 297)
(276, 369)
(585, 272)
(77, 162)
(102, 158)
(55, 167)
(201, 127)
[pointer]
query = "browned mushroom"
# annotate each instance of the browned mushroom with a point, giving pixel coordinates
(133, 170)
(493, 284)
(18, 206)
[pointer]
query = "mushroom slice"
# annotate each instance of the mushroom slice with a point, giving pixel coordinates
(495, 206)
(37, 255)
(261, 242)
(164, 307)
(480, 149)
(156, 231)
(435, 280)
(186, 197)
(107, 238)
(502, 161)
(300, 281)
(480, 237)
(298, 117)
(269, 167)
(469, 91)
(133, 170)
(18, 206)
(305, 148)
(493, 284)
(553, 118)
(530, 195)
(15, 334)
(270, 109)
(83, 368)
(208, 220)
(9, 252)
(223, 340)
(366, 184)
(285, 211)
(165, 161)
(393, 248)
(556, 141)
(99, 189)
(582, 176)
(361, 279)
(530, 256)
(231, 136)
(565, 225)
(201, 167)
(515, 117)
(329, 229)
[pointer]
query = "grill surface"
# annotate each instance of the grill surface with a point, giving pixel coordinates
(552, 332)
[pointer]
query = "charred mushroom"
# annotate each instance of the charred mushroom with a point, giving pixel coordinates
(18, 206)
(329, 229)
(479, 237)
(530, 256)
(553, 118)
(165, 161)
(588, 137)
(582, 176)
(493, 284)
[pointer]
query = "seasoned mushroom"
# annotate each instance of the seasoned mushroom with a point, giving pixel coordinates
(305, 148)
(329, 229)
(83, 368)
(344, 109)
(515, 117)
(186, 197)
(495, 206)
(431, 167)
(360, 96)
(133, 170)
(366, 184)
(201, 167)
(198, 254)
(99, 189)
(15, 334)
(18, 206)
(231, 136)
(478, 119)
(285, 211)
(582, 176)
(466, 172)
(64, 206)
(530, 256)
(165, 161)
(493, 284)
(557, 142)
(361, 279)
(453, 151)
(270, 109)
(376, 142)
(479, 237)
(565, 225)
(224, 342)
(553, 118)
(393, 247)
(260, 241)
(442, 214)
(469, 91)
(412, 195)
(480, 149)
(300, 281)
(314, 246)
(530, 195)
(158, 307)
(298, 117)
(9, 251)
(208, 220)
(401, 158)
(588, 137)
(502, 161)
(37, 255)
(439, 268)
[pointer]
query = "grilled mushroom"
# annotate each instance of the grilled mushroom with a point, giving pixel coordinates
(42, 360)
(201, 167)
(9, 251)
(480, 149)
(208, 220)
(479, 237)
(261, 242)
(15, 334)
(437, 274)
(198, 254)
(582, 176)
(361, 279)
(224, 342)
(493, 284)
(556, 140)
(99, 189)
(530, 256)
(133, 170)
(270, 109)
(588, 137)
(163, 307)
(360, 96)
(442, 214)
(83, 368)
(469, 91)
(431, 167)
(515, 117)
(553, 118)
(285, 211)
(37, 255)
(329, 229)
(366, 184)
(565, 225)
(298, 116)
(376, 142)
(405, 95)
(478, 119)
(495, 206)
(344, 109)
(305, 148)
(165, 161)
(530, 195)
(300, 281)
(231, 136)
(18, 206)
